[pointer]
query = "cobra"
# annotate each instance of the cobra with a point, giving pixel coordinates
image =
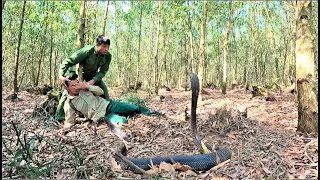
(198, 162)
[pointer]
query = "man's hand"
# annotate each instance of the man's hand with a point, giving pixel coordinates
(62, 81)
(81, 85)
(91, 82)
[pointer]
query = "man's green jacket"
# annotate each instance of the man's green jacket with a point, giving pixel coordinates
(95, 65)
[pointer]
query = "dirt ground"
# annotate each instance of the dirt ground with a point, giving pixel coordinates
(264, 145)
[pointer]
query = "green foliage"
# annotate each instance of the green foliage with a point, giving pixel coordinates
(22, 161)
(133, 98)
(251, 37)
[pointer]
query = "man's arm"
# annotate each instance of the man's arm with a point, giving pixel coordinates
(96, 90)
(103, 69)
(74, 59)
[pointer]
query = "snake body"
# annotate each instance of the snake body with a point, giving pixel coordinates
(199, 162)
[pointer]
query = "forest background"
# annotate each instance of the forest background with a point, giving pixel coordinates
(156, 43)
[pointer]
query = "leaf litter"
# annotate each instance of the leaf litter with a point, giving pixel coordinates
(261, 135)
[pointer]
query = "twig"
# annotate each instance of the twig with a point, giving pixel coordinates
(306, 147)
(172, 161)
(131, 163)
(219, 165)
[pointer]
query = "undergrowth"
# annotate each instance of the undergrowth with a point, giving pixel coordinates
(133, 98)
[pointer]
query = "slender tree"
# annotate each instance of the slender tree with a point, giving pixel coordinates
(3, 2)
(51, 49)
(190, 15)
(81, 33)
(225, 51)
(42, 48)
(15, 81)
(139, 45)
(202, 49)
(305, 70)
(156, 57)
(105, 18)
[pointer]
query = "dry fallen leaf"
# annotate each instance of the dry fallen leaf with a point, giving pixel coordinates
(232, 136)
(180, 167)
(214, 168)
(218, 178)
(165, 167)
(114, 165)
(89, 157)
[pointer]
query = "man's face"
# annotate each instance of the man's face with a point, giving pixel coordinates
(73, 87)
(102, 48)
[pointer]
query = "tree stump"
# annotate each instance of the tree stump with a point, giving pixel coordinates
(49, 105)
(257, 91)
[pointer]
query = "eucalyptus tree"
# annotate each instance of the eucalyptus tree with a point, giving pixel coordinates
(139, 45)
(81, 33)
(156, 57)
(225, 50)
(105, 18)
(15, 81)
(3, 3)
(305, 70)
(202, 49)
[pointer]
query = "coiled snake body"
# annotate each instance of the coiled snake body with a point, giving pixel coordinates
(200, 162)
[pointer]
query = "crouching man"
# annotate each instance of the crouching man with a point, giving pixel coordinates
(85, 99)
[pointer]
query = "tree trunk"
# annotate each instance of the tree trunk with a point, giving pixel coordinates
(105, 19)
(202, 49)
(51, 50)
(130, 57)
(245, 78)
(55, 68)
(80, 39)
(42, 51)
(292, 57)
(24, 70)
(139, 46)
(186, 65)
(156, 58)
(3, 2)
(274, 45)
(225, 52)
(15, 81)
(191, 41)
(118, 48)
(305, 70)
(284, 74)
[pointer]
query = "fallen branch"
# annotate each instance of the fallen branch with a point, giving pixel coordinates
(131, 164)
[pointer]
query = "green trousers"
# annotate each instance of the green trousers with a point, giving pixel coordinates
(117, 112)
(60, 116)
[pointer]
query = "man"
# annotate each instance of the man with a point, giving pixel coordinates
(85, 99)
(95, 61)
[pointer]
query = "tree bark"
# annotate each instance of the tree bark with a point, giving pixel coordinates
(225, 52)
(156, 58)
(305, 70)
(24, 70)
(105, 19)
(55, 68)
(191, 41)
(3, 2)
(202, 49)
(139, 46)
(80, 39)
(274, 45)
(51, 50)
(15, 81)
(42, 50)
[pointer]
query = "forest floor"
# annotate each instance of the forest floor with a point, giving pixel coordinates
(264, 145)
